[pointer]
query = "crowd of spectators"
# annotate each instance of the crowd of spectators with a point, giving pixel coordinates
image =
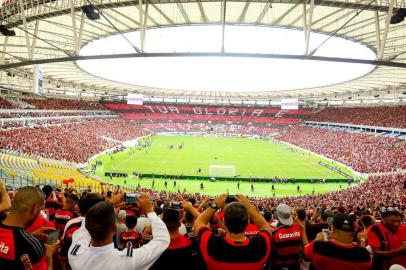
(4, 104)
(75, 142)
(189, 127)
(64, 104)
(50, 114)
(108, 229)
(369, 116)
(363, 152)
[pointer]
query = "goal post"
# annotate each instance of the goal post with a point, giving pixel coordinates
(222, 170)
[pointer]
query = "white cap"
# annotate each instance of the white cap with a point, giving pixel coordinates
(284, 214)
(121, 214)
(397, 267)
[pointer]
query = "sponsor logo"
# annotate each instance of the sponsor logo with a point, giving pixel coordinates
(62, 216)
(289, 235)
(3, 248)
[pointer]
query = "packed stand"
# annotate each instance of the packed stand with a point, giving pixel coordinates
(209, 128)
(363, 152)
(75, 142)
(4, 104)
(64, 104)
(369, 116)
(50, 114)
(109, 229)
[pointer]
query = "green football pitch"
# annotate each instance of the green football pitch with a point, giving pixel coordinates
(250, 158)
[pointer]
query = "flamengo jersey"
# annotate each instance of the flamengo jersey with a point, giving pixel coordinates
(62, 216)
(19, 250)
(182, 254)
(287, 246)
(133, 237)
(332, 255)
(221, 253)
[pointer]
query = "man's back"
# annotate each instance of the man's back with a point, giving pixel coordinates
(20, 250)
(287, 246)
(83, 255)
(182, 253)
(222, 253)
(333, 255)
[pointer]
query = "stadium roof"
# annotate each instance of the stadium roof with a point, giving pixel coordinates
(51, 33)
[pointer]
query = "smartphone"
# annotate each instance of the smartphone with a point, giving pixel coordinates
(131, 197)
(231, 198)
(176, 205)
(53, 237)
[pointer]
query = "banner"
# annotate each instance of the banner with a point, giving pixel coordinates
(289, 104)
(38, 81)
(135, 99)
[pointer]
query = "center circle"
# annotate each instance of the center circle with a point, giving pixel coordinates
(226, 74)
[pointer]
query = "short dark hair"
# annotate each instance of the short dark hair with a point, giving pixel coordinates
(131, 221)
(301, 214)
(366, 221)
(47, 190)
(236, 217)
(100, 221)
(87, 201)
(171, 218)
(268, 215)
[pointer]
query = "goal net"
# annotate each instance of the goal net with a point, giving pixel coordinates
(222, 170)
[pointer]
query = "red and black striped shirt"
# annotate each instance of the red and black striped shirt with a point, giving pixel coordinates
(287, 246)
(20, 250)
(62, 216)
(133, 237)
(333, 255)
(222, 253)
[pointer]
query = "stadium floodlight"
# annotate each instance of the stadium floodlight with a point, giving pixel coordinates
(91, 13)
(7, 32)
(399, 16)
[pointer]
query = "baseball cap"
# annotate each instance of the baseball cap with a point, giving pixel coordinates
(121, 214)
(390, 211)
(284, 214)
(343, 222)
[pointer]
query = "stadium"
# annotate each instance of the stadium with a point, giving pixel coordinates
(293, 103)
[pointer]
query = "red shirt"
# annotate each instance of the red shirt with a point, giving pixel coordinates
(333, 255)
(251, 229)
(38, 224)
(394, 241)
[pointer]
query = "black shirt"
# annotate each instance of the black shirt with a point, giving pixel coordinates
(20, 250)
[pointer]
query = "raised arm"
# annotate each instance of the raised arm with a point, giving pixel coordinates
(190, 209)
(206, 216)
(145, 256)
(258, 219)
(5, 202)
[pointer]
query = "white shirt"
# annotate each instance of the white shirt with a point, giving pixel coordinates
(83, 256)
